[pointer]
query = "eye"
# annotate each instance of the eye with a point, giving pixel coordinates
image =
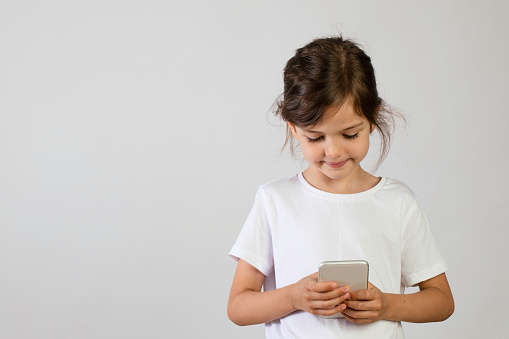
(352, 136)
(314, 140)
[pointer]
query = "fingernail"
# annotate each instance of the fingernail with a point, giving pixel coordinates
(347, 290)
(333, 285)
(347, 296)
(343, 307)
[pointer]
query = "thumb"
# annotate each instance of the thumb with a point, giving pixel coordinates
(314, 276)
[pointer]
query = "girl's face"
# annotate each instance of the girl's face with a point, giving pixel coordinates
(334, 148)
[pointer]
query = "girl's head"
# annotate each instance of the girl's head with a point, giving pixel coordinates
(328, 73)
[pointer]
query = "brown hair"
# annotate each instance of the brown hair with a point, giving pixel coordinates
(326, 73)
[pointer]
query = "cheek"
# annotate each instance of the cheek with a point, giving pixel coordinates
(310, 151)
(363, 148)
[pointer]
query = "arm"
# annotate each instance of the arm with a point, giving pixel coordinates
(247, 305)
(434, 302)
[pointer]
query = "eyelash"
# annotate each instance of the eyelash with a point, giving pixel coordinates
(315, 140)
(350, 137)
(353, 136)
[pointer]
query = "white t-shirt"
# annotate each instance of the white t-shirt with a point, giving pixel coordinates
(293, 227)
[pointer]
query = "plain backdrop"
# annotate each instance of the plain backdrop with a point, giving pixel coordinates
(134, 135)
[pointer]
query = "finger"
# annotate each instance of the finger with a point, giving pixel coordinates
(359, 317)
(357, 305)
(327, 299)
(347, 314)
(310, 280)
(370, 305)
(329, 311)
(362, 295)
(324, 286)
(334, 293)
(326, 304)
(347, 317)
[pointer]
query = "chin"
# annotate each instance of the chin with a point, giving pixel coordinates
(339, 173)
(336, 177)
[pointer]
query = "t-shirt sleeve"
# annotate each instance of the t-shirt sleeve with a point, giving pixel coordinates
(254, 243)
(421, 257)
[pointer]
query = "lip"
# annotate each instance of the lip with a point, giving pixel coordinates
(336, 164)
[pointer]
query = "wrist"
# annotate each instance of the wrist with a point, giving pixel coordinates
(291, 296)
(388, 313)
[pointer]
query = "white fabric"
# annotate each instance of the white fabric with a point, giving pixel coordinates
(293, 227)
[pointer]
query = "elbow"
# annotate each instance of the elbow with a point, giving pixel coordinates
(448, 310)
(236, 321)
(233, 316)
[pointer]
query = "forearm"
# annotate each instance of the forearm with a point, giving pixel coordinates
(252, 307)
(428, 305)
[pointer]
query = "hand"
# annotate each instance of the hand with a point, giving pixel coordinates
(366, 306)
(319, 298)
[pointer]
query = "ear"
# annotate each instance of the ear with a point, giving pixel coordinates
(372, 128)
(293, 129)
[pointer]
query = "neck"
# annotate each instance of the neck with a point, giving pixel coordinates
(358, 181)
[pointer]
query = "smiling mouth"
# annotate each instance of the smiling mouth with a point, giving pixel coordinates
(336, 164)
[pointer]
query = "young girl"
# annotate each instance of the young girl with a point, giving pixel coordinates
(335, 210)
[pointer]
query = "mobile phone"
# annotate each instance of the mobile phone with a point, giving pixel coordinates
(351, 273)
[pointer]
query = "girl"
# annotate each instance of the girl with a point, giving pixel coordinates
(335, 210)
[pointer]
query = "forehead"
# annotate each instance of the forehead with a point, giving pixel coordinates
(338, 118)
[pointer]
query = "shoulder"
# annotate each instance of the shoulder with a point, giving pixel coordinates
(397, 189)
(281, 186)
(397, 186)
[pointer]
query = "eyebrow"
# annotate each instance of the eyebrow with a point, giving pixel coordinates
(346, 129)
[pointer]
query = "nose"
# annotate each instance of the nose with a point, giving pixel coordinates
(334, 149)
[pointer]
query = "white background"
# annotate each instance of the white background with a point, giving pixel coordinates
(134, 134)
